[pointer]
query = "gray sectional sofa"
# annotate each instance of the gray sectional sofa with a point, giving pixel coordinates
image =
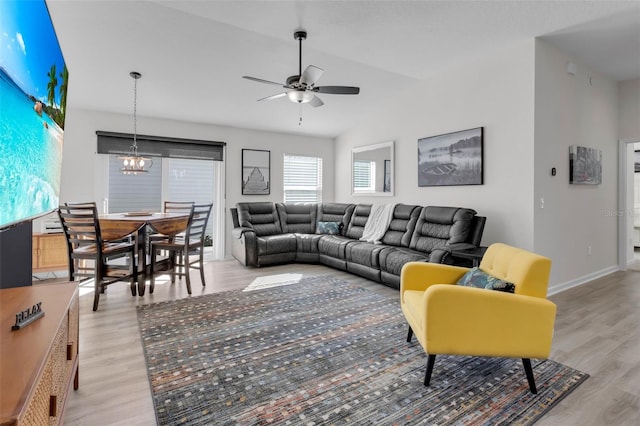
(267, 233)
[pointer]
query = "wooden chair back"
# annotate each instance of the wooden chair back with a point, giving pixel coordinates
(197, 224)
(178, 206)
(81, 227)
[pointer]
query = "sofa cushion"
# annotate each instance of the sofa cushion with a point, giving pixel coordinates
(330, 228)
(364, 253)
(392, 259)
(359, 218)
(300, 218)
(476, 277)
(335, 212)
(402, 225)
(262, 217)
(438, 226)
(333, 245)
(307, 243)
(274, 244)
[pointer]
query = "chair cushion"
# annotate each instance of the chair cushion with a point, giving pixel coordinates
(330, 228)
(480, 279)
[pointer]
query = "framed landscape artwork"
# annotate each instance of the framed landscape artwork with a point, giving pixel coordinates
(451, 159)
(585, 165)
(256, 172)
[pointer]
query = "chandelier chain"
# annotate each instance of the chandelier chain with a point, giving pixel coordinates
(135, 115)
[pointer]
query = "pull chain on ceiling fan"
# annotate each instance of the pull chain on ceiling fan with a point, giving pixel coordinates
(302, 88)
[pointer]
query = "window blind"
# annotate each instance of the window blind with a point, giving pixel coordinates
(302, 179)
(134, 193)
(190, 180)
(159, 146)
(363, 172)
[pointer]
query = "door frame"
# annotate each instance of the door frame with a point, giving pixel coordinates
(624, 210)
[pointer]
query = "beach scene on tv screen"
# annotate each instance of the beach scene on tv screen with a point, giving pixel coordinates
(33, 92)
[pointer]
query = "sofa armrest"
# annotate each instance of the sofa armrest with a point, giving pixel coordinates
(240, 231)
(244, 246)
(471, 321)
(421, 275)
(458, 246)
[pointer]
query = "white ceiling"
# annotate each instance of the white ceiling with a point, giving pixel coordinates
(192, 54)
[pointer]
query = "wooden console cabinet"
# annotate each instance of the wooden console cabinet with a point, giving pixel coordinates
(49, 253)
(38, 363)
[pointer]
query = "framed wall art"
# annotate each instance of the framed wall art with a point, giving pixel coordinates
(585, 165)
(636, 161)
(451, 159)
(256, 172)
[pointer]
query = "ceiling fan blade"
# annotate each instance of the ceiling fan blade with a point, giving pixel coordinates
(259, 80)
(316, 102)
(337, 90)
(310, 75)
(268, 98)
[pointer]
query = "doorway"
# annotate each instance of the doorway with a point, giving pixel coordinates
(629, 204)
(170, 179)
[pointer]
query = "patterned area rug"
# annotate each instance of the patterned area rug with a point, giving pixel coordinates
(323, 351)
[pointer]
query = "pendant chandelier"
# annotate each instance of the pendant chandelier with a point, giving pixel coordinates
(133, 163)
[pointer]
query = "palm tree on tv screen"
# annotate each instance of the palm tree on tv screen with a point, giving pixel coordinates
(64, 75)
(51, 87)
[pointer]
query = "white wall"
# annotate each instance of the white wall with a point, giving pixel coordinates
(82, 168)
(496, 92)
(578, 109)
(629, 108)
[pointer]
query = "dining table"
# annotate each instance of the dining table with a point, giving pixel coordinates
(115, 226)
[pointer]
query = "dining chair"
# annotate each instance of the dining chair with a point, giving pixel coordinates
(181, 248)
(81, 227)
(170, 207)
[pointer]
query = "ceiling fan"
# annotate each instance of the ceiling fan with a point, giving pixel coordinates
(302, 87)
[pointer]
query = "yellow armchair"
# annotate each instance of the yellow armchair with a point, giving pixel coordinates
(457, 320)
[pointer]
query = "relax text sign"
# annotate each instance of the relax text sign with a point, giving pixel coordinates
(27, 316)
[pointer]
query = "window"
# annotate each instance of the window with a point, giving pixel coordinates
(363, 175)
(302, 179)
(129, 193)
(170, 179)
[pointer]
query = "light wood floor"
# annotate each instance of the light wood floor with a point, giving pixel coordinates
(596, 332)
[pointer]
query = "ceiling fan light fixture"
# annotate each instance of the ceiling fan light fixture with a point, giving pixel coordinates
(300, 96)
(302, 86)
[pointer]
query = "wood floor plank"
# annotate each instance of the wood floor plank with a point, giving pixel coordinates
(596, 332)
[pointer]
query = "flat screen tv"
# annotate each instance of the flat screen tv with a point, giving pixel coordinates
(33, 94)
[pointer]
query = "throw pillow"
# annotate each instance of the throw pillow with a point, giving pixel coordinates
(480, 279)
(331, 228)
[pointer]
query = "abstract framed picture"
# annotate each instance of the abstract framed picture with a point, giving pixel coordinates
(585, 165)
(256, 172)
(451, 159)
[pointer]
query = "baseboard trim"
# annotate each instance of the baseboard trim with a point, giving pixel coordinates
(558, 288)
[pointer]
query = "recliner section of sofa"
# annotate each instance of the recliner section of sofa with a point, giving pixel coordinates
(274, 233)
(437, 230)
(363, 258)
(333, 248)
(301, 219)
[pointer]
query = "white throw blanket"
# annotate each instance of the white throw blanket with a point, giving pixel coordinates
(377, 223)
